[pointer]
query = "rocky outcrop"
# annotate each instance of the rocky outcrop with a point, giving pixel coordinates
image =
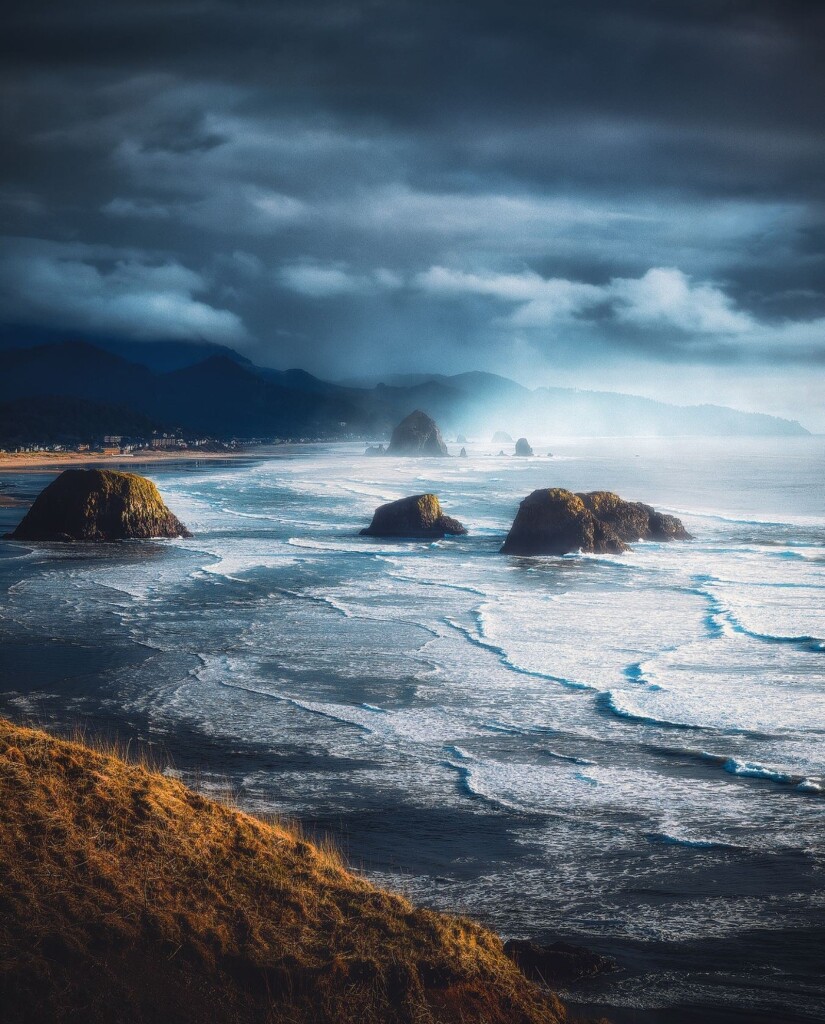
(463, 453)
(631, 520)
(417, 516)
(98, 505)
(501, 437)
(552, 521)
(557, 965)
(417, 435)
(461, 439)
(523, 447)
(128, 898)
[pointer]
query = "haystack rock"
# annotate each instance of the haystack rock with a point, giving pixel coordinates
(98, 505)
(523, 447)
(417, 516)
(461, 439)
(417, 435)
(631, 520)
(554, 522)
(501, 437)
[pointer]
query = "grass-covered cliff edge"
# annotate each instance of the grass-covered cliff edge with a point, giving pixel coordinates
(125, 896)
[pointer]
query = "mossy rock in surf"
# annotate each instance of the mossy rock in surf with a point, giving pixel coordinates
(553, 521)
(633, 520)
(98, 505)
(417, 516)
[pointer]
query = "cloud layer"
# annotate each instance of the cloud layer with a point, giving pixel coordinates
(662, 298)
(67, 287)
(563, 193)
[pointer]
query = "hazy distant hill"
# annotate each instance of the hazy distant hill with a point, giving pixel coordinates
(480, 403)
(217, 396)
(68, 421)
(223, 394)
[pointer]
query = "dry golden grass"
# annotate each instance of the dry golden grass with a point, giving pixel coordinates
(125, 896)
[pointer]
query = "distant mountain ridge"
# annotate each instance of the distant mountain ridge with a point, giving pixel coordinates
(211, 390)
(548, 411)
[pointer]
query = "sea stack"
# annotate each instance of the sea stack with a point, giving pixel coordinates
(553, 521)
(501, 437)
(98, 505)
(417, 516)
(417, 434)
(523, 447)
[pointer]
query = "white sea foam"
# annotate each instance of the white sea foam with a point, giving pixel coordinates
(663, 708)
(749, 770)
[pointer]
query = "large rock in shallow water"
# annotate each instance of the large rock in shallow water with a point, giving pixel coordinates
(417, 516)
(417, 435)
(523, 447)
(552, 521)
(631, 520)
(555, 521)
(99, 505)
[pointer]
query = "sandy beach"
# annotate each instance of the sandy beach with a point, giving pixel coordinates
(48, 461)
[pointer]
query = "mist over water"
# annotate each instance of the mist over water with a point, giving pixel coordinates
(627, 752)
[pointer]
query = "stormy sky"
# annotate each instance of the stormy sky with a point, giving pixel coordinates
(617, 194)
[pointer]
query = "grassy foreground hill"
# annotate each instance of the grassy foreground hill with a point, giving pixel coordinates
(125, 896)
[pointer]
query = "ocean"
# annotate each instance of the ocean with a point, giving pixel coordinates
(625, 752)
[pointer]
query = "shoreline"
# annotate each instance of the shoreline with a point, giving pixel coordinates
(47, 461)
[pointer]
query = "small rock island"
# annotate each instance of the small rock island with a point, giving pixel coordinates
(554, 521)
(523, 447)
(98, 505)
(417, 434)
(417, 516)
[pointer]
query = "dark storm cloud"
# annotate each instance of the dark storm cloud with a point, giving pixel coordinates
(396, 185)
